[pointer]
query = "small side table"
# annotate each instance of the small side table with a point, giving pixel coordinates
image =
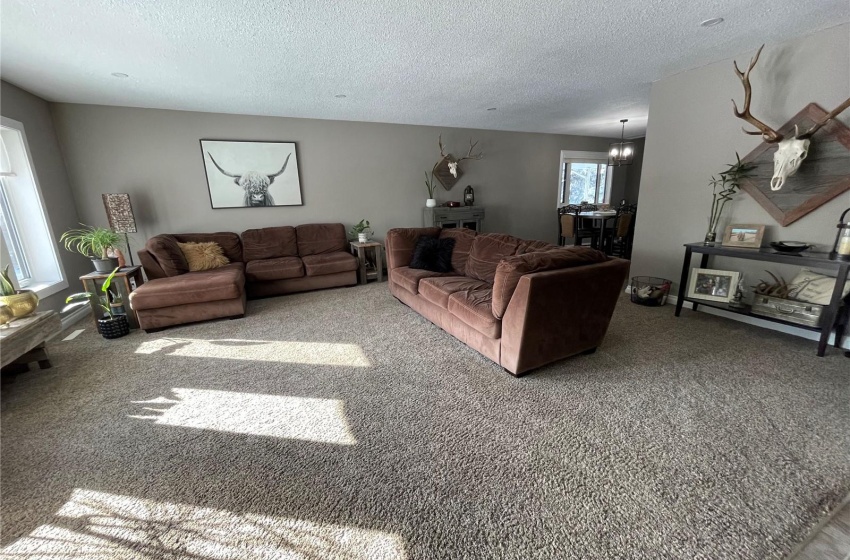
(125, 281)
(22, 340)
(359, 250)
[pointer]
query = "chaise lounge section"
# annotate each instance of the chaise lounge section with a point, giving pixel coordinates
(523, 304)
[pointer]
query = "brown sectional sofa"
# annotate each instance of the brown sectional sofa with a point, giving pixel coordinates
(523, 304)
(264, 262)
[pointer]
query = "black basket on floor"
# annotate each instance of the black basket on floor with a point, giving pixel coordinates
(113, 328)
(650, 291)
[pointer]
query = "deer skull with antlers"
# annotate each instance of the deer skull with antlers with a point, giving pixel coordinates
(790, 152)
(451, 163)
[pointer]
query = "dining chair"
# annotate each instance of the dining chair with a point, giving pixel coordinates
(570, 229)
(619, 243)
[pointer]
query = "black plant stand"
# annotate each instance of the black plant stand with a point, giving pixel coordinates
(808, 259)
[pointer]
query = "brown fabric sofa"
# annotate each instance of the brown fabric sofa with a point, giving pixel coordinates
(523, 304)
(264, 262)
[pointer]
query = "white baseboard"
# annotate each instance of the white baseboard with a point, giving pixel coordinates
(75, 317)
(752, 320)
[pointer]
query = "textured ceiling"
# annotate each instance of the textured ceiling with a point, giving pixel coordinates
(569, 66)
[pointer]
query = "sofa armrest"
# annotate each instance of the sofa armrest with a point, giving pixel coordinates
(400, 243)
(560, 313)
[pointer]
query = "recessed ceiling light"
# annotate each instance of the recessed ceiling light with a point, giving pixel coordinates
(711, 22)
(120, 75)
(340, 96)
(491, 109)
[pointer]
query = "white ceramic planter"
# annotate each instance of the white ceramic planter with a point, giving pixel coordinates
(431, 203)
(362, 237)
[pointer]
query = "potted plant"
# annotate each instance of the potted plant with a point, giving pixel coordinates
(431, 186)
(94, 243)
(724, 187)
(362, 231)
(20, 302)
(110, 324)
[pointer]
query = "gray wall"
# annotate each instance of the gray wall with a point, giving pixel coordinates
(692, 134)
(34, 113)
(349, 170)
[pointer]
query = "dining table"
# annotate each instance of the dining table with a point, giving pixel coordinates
(599, 219)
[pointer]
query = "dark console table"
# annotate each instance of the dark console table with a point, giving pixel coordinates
(807, 258)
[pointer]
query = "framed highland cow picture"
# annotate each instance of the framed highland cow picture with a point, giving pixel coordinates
(244, 174)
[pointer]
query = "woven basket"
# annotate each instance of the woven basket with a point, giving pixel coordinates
(113, 328)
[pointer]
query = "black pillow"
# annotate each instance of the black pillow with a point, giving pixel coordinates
(433, 253)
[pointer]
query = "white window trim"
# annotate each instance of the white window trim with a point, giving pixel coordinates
(42, 289)
(571, 156)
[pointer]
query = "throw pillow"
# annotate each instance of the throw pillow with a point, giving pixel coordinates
(203, 256)
(432, 253)
(812, 287)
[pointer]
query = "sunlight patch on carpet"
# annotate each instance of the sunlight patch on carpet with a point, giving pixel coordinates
(291, 352)
(288, 417)
(98, 525)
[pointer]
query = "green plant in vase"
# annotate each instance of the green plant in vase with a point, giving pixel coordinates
(110, 324)
(94, 243)
(431, 185)
(361, 231)
(19, 303)
(724, 187)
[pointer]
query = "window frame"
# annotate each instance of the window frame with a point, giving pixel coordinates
(39, 240)
(569, 157)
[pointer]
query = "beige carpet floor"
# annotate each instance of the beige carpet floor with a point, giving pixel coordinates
(340, 424)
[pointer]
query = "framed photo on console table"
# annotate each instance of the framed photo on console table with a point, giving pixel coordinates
(244, 174)
(712, 285)
(744, 235)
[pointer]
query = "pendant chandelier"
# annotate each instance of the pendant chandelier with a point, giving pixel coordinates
(622, 152)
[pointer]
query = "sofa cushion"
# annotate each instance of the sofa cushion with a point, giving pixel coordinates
(400, 243)
(474, 307)
(280, 268)
(438, 290)
(203, 256)
(434, 254)
(463, 244)
(317, 239)
(488, 250)
(330, 263)
(230, 243)
(167, 253)
(511, 269)
(269, 243)
(226, 282)
(408, 278)
(534, 246)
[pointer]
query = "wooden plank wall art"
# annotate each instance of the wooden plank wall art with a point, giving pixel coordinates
(801, 166)
(824, 174)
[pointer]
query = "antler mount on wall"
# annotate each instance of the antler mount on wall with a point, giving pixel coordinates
(784, 188)
(448, 170)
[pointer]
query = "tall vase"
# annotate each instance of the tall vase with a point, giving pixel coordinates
(431, 203)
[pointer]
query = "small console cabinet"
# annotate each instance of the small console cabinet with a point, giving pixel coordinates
(470, 217)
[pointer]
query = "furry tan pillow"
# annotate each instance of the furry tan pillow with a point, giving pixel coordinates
(203, 256)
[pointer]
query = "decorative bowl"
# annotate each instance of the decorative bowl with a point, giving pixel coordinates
(453, 204)
(22, 303)
(790, 246)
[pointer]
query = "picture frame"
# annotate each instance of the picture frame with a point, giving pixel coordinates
(748, 236)
(251, 174)
(713, 285)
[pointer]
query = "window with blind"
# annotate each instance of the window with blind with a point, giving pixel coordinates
(584, 177)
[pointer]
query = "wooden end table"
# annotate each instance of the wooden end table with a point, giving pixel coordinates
(125, 281)
(359, 250)
(22, 340)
